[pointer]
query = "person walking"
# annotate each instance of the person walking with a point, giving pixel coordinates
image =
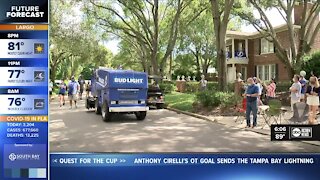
(50, 91)
(295, 90)
(312, 94)
(81, 83)
(73, 88)
(271, 90)
(62, 93)
(303, 83)
(252, 94)
(260, 87)
(203, 83)
(88, 89)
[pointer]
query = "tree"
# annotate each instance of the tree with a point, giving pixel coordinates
(75, 44)
(141, 20)
(221, 11)
(311, 64)
(196, 36)
(291, 56)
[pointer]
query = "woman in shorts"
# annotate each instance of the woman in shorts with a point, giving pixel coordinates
(62, 93)
(312, 94)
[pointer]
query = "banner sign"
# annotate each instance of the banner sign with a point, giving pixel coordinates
(185, 166)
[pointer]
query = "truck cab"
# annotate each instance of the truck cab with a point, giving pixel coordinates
(119, 91)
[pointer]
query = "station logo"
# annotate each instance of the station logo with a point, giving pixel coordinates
(38, 48)
(12, 157)
(301, 132)
(23, 157)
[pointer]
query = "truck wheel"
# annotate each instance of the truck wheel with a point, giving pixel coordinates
(106, 115)
(141, 115)
(97, 107)
(159, 106)
(87, 104)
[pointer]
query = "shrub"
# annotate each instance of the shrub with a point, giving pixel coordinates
(192, 87)
(283, 86)
(312, 64)
(167, 86)
(215, 99)
(207, 98)
(230, 87)
(212, 86)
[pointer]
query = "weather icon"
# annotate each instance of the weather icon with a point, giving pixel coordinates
(38, 48)
(39, 76)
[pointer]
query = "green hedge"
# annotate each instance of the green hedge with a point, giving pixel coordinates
(215, 99)
(167, 86)
(192, 87)
(283, 86)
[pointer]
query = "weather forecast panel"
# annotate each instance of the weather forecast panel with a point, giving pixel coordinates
(23, 48)
(23, 76)
(24, 89)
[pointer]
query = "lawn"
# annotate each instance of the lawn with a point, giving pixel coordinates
(181, 101)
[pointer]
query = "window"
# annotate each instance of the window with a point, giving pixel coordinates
(240, 46)
(244, 72)
(266, 72)
(273, 71)
(260, 72)
(266, 46)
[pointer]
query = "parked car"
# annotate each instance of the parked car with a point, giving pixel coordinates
(155, 94)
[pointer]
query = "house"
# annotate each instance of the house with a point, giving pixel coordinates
(253, 56)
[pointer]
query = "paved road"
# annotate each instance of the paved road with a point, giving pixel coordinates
(80, 130)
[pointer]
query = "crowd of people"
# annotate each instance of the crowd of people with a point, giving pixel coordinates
(74, 89)
(258, 93)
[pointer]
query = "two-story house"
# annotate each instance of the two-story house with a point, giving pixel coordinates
(253, 56)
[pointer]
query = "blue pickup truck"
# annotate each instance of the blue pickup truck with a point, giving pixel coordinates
(118, 91)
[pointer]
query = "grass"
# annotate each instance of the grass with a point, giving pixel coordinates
(181, 101)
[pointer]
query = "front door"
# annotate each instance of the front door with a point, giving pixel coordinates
(231, 74)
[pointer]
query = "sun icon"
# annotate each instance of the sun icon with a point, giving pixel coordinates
(39, 48)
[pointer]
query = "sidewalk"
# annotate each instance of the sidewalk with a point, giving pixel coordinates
(265, 130)
(229, 121)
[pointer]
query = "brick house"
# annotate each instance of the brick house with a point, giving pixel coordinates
(252, 55)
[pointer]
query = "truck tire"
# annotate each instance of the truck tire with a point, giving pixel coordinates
(106, 115)
(159, 106)
(97, 107)
(141, 115)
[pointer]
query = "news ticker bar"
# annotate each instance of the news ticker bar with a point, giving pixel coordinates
(295, 132)
(186, 166)
(102, 160)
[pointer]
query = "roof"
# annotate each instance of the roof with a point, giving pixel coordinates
(252, 35)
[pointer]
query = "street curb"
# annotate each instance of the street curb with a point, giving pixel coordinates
(216, 121)
(191, 114)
